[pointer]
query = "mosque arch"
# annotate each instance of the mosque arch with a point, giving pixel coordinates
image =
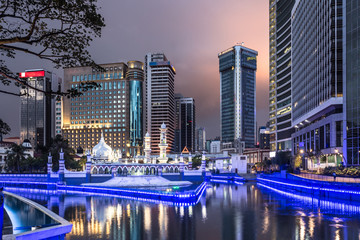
(94, 170)
(101, 170)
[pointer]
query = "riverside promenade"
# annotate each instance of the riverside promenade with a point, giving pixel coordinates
(318, 188)
(327, 178)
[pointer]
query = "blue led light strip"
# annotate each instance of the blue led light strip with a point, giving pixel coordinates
(344, 207)
(129, 193)
(311, 187)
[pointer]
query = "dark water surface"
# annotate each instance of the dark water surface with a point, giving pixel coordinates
(249, 211)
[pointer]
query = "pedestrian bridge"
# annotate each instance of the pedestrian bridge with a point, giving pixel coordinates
(30, 220)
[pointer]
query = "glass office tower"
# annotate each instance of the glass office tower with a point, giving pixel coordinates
(37, 109)
(317, 78)
(280, 75)
(352, 72)
(135, 76)
(237, 66)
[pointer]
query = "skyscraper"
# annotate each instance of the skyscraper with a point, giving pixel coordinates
(352, 73)
(37, 120)
(200, 139)
(160, 99)
(237, 67)
(135, 76)
(280, 75)
(185, 123)
(317, 77)
(114, 108)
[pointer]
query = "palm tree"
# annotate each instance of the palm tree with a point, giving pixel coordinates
(15, 156)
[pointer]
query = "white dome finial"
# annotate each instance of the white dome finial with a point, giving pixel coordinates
(163, 125)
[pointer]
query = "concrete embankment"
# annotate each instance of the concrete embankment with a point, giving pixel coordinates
(345, 191)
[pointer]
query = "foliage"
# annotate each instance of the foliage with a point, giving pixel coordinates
(15, 158)
(58, 31)
(196, 161)
(34, 164)
(297, 161)
(58, 144)
(342, 171)
(282, 158)
(4, 128)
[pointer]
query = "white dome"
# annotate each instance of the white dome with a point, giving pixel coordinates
(147, 134)
(163, 125)
(102, 150)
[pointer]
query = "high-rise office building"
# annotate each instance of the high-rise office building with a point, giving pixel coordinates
(185, 123)
(177, 137)
(114, 108)
(352, 75)
(58, 118)
(37, 116)
(160, 99)
(58, 111)
(237, 67)
(200, 139)
(280, 75)
(317, 77)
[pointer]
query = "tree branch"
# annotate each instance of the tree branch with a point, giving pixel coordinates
(11, 93)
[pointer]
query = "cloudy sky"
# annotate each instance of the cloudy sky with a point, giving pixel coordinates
(190, 32)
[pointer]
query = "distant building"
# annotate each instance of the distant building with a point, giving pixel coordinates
(58, 117)
(264, 138)
(159, 99)
(237, 66)
(200, 139)
(37, 114)
(255, 155)
(114, 108)
(185, 123)
(215, 146)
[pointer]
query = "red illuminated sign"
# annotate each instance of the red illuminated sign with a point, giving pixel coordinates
(32, 74)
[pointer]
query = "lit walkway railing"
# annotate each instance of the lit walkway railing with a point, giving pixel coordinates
(30, 220)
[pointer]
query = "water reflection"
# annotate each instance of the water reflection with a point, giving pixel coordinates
(224, 212)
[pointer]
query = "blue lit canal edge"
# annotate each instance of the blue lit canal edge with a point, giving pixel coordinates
(186, 198)
(314, 188)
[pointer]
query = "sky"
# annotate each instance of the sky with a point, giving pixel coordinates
(191, 33)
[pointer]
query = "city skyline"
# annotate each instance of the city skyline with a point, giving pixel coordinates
(199, 68)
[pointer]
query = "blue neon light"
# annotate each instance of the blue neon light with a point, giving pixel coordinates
(315, 188)
(177, 198)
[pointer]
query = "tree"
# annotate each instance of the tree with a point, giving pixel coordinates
(4, 128)
(15, 157)
(58, 31)
(57, 144)
(282, 158)
(196, 161)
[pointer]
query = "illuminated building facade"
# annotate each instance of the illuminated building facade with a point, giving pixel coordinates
(352, 73)
(317, 78)
(280, 75)
(237, 67)
(37, 115)
(160, 99)
(114, 108)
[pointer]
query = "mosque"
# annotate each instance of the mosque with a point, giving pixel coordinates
(103, 153)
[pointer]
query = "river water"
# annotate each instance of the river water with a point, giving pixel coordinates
(225, 211)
